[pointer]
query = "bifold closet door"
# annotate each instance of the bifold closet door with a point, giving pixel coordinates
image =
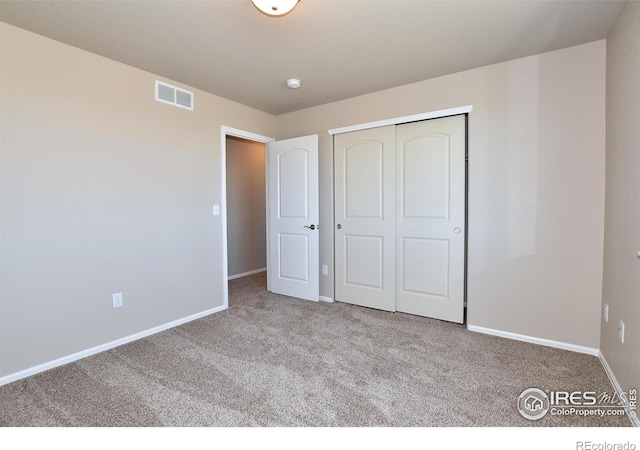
(430, 224)
(365, 218)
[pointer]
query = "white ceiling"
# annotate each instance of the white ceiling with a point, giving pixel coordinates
(339, 49)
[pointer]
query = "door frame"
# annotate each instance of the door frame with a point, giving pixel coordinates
(225, 132)
(404, 119)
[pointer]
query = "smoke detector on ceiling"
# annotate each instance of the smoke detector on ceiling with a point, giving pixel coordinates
(293, 83)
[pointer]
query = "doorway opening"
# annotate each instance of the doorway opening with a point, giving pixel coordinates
(244, 205)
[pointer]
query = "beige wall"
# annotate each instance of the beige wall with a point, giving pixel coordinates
(621, 290)
(103, 190)
(536, 202)
(246, 206)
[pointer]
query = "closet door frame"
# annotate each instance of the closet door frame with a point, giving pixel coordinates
(462, 110)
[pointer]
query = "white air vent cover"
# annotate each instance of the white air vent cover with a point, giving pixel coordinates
(173, 95)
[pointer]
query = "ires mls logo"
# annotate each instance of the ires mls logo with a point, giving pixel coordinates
(534, 403)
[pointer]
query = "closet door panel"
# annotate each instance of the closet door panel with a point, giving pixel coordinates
(365, 218)
(430, 218)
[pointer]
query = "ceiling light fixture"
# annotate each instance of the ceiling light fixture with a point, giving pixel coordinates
(275, 7)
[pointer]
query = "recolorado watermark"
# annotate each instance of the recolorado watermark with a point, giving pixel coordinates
(588, 445)
(534, 404)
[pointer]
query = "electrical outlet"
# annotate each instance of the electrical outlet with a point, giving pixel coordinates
(621, 332)
(216, 210)
(606, 312)
(325, 269)
(117, 300)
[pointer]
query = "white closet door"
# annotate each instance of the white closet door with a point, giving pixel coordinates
(430, 158)
(365, 218)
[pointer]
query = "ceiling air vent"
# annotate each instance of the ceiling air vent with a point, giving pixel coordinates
(173, 95)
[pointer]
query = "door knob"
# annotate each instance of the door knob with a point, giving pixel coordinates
(457, 230)
(312, 227)
(339, 227)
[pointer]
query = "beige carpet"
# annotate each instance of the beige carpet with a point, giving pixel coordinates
(271, 360)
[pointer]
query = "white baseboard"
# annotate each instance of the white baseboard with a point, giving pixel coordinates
(246, 274)
(535, 340)
(103, 347)
(326, 299)
(621, 393)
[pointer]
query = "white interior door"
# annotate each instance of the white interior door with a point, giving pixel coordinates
(292, 196)
(431, 218)
(365, 218)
